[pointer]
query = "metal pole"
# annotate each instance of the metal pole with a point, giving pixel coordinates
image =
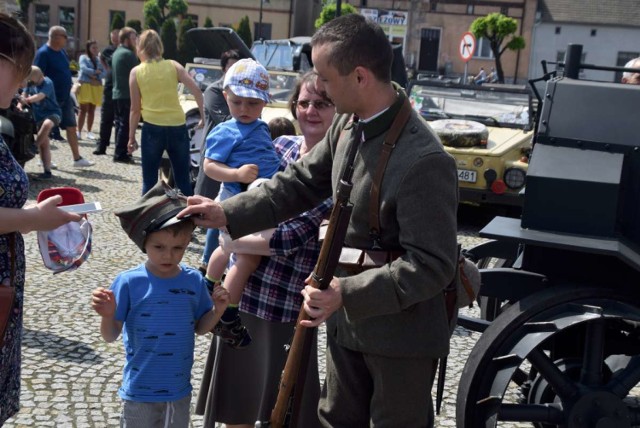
(259, 35)
(338, 7)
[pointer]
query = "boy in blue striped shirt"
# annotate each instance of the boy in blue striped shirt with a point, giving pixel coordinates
(158, 306)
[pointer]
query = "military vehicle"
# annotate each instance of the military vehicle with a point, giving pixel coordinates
(488, 130)
(563, 346)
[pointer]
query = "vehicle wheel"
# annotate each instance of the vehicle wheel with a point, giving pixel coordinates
(536, 346)
(460, 133)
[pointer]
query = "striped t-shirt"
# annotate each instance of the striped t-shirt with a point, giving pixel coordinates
(159, 316)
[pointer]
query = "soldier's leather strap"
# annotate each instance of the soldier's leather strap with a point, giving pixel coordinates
(388, 145)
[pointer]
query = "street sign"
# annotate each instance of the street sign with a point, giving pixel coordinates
(467, 46)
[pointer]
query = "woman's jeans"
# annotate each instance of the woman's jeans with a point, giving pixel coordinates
(175, 140)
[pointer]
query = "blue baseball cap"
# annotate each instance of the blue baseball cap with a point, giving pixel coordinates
(248, 78)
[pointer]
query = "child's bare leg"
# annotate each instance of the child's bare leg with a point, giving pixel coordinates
(217, 264)
(239, 274)
(43, 143)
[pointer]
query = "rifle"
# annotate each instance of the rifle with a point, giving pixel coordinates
(286, 410)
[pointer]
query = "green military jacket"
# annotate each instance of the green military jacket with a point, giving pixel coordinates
(397, 310)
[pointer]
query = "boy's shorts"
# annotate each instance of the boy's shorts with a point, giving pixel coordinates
(152, 415)
(53, 118)
(68, 119)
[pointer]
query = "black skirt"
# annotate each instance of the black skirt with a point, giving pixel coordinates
(240, 386)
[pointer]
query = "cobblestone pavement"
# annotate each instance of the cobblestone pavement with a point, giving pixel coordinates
(70, 376)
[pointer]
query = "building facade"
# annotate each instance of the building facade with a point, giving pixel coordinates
(91, 19)
(608, 30)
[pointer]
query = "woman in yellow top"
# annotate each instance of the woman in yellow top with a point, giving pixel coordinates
(154, 95)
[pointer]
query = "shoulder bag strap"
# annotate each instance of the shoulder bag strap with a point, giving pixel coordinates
(388, 145)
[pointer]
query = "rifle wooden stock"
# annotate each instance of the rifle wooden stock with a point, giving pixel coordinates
(285, 412)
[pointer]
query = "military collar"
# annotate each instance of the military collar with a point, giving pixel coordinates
(381, 123)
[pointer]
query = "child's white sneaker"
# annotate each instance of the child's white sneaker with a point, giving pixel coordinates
(91, 136)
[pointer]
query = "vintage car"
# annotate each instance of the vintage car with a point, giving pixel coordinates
(487, 129)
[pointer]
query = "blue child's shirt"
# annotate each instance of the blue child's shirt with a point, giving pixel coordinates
(235, 144)
(49, 105)
(159, 316)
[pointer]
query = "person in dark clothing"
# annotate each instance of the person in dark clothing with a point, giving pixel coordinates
(123, 60)
(216, 110)
(107, 111)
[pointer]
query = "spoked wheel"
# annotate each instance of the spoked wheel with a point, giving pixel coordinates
(564, 357)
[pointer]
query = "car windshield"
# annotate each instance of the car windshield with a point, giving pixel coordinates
(279, 56)
(281, 85)
(203, 76)
(491, 106)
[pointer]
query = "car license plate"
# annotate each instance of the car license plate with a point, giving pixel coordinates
(468, 176)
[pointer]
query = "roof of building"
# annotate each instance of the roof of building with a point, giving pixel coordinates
(604, 12)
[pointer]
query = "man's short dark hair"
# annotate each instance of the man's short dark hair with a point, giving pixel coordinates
(356, 41)
(229, 55)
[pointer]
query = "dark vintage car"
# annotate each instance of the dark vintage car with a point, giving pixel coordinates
(488, 130)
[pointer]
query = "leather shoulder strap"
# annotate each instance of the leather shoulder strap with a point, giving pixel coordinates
(388, 145)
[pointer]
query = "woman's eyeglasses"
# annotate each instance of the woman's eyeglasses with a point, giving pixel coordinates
(317, 104)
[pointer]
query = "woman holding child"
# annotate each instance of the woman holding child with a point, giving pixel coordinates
(239, 387)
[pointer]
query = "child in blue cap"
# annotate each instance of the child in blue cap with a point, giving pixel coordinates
(238, 152)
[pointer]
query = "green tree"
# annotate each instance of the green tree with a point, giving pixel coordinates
(152, 24)
(186, 50)
(500, 31)
(161, 10)
(168, 36)
(244, 31)
(135, 24)
(117, 22)
(24, 6)
(208, 23)
(329, 12)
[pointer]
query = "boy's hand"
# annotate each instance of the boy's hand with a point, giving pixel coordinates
(220, 297)
(247, 173)
(103, 302)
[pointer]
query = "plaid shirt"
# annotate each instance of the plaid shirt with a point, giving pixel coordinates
(273, 290)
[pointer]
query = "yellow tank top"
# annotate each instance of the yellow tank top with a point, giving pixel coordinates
(158, 82)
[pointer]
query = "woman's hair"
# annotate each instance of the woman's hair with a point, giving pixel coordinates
(279, 126)
(308, 80)
(92, 57)
(16, 45)
(150, 44)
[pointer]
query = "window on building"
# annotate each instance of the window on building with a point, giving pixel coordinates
(623, 59)
(433, 6)
(42, 19)
(262, 33)
(469, 9)
(504, 10)
(67, 19)
(558, 30)
(594, 32)
(483, 49)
